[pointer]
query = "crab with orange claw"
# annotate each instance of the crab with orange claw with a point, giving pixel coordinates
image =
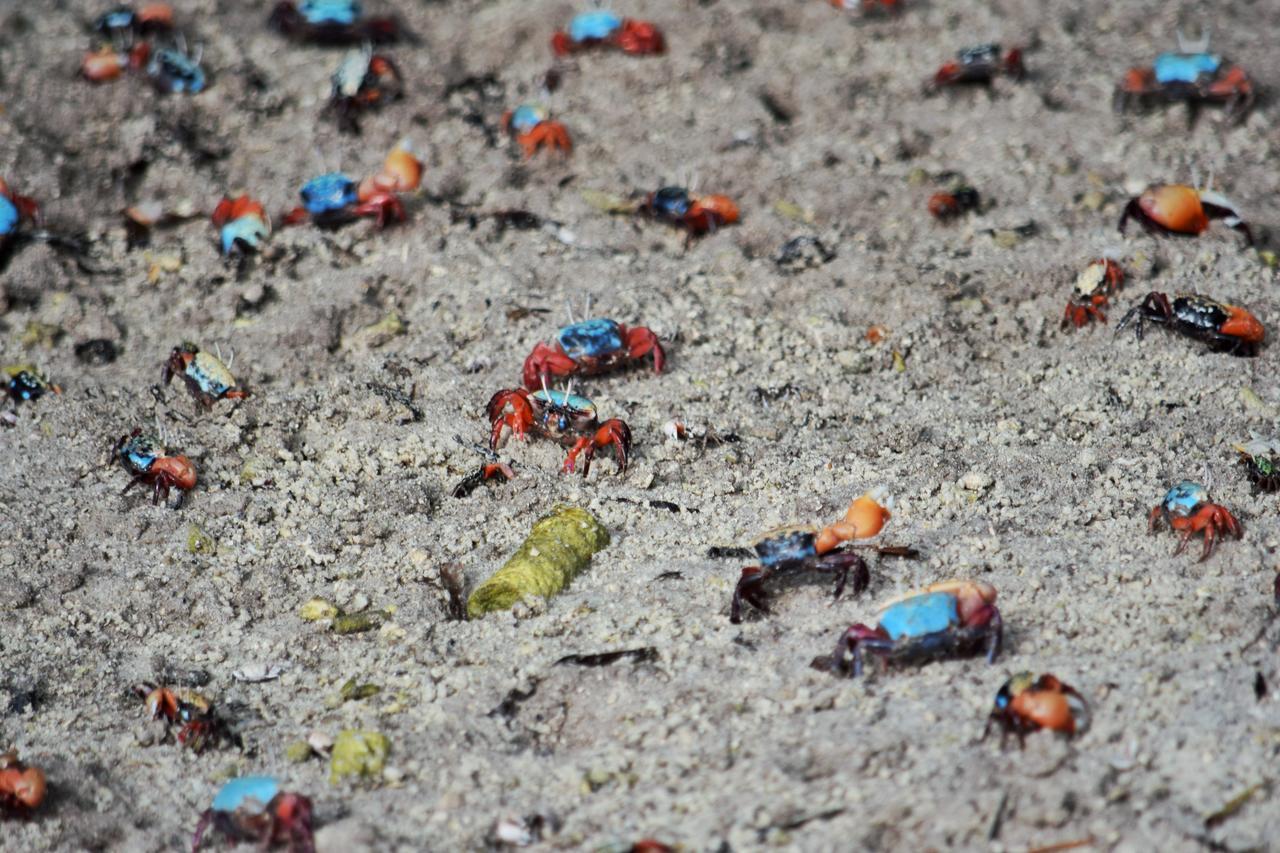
(949, 204)
(979, 65)
(560, 416)
(143, 456)
(362, 81)
(805, 548)
(256, 808)
(1192, 75)
(488, 471)
(242, 225)
(333, 200)
(1177, 209)
(206, 376)
(1093, 290)
(193, 712)
(1027, 704)
(110, 63)
(1225, 328)
(696, 214)
(530, 125)
(22, 788)
(949, 619)
(1187, 508)
(333, 22)
(591, 347)
(602, 28)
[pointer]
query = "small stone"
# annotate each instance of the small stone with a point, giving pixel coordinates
(977, 481)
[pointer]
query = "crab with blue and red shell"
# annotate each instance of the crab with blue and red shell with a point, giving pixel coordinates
(948, 619)
(16, 211)
(978, 65)
(242, 225)
(125, 51)
(1187, 509)
(1191, 74)
(560, 416)
(1027, 703)
(334, 22)
(23, 383)
(603, 28)
(696, 214)
(144, 457)
(334, 199)
(206, 377)
(593, 346)
(256, 808)
(531, 126)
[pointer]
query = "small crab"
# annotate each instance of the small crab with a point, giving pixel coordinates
(948, 619)
(254, 808)
(173, 71)
(143, 457)
(949, 204)
(602, 28)
(488, 471)
(1261, 460)
(109, 62)
(22, 788)
(697, 215)
(16, 211)
(1225, 328)
(123, 23)
(979, 65)
(333, 22)
(805, 548)
(1182, 210)
(1192, 75)
(193, 711)
(334, 199)
(1026, 704)
(242, 225)
(563, 417)
(591, 347)
(207, 378)
(24, 383)
(1186, 507)
(531, 127)
(363, 80)
(1093, 288)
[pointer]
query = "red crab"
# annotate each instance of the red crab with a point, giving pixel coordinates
(532, 128)
(1093, 287)
(979, 65)
(602, 28)
(588, 348)
(22, 788)
(1187, 508)
(562, 417)
(696, 214)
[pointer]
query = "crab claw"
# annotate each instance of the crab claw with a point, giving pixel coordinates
(642, 341)
(709, 212)
(611, 432)
(640, 37)
(384, 207)
(510, 408)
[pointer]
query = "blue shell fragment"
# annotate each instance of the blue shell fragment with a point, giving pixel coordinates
(671, 202)
(248, 230)
(1184, 67)
(921, 614)
(1185, 497)
(596, 24)
(565, 400)
(590, 339)
(176, 72)
(331, 12)
(249, 792)
(526, 117)
(328, 193)
(8, 216)
(140, 453)
(792, 546)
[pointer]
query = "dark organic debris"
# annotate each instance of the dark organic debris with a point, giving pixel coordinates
(802, 253)
(97, 351)
(645, 654)
(395, 395)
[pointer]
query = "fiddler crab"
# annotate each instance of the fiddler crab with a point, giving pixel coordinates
(121, 26)
(332, 22)
(1187, 508)
(242, 225)
(143, 457)
(795, 548)
(1261, 460)
(696, 214)
(1183, 210)
(254, 808)
(530, 125)
(560, 416)
(979, 65)
(174, 71)
(949, 619)
(362, 81)
(590, 347)
(206, 377)
(1092, 293)
(1026, 704)
(602, 28)
(23, 383)
(1225, 328)
(949, 204)
(16, 211)
(194, 712)
(1193, 75)
(334, 199)
(22, 787)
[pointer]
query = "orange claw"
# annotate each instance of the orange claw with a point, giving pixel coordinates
(21, 787)
(102, 65)
(401, 172)
(709, 212)
(234, 208)
(551, 134)
(864, 519)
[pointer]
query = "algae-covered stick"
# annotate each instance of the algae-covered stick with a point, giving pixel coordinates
(556, 550)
